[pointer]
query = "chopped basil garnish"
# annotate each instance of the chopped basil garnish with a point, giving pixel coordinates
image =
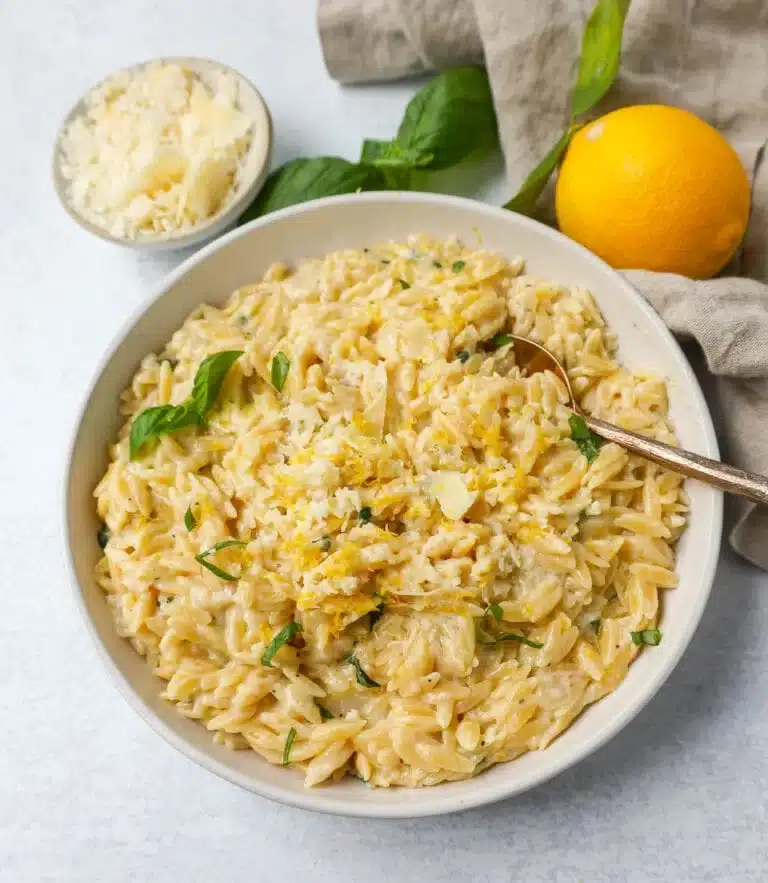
(375, 615)
(499, 339)
(288, 746)
(595, 625)
(496, 612)
(103, 536)
(462, 356)
(324, 542)
(586, 440)
(165, 419)
(360, 675)
(503, 637)
(647, 636)
(405, 284)
(324, 713)
(189, 519)
(281, 365)
(365, 514)
(458, 266)
(285, 634)
(437, 264)
(217, 571)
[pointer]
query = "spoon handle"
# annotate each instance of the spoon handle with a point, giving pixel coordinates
(736, 481)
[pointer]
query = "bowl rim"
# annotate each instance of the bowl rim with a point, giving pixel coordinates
(336, 804)
(204, 230)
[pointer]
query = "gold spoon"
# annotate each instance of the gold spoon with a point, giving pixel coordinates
(532, 358)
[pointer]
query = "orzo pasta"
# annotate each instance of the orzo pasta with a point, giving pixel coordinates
(461, 581)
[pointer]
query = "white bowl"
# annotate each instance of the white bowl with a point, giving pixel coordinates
(312, 229)
(253, 173)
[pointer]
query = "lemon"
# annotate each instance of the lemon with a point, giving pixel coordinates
(655, 188)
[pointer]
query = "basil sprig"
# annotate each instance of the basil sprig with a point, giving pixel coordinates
(189, 519)
(304, 179)
(447, 121)
(586, 440)
(163, 419)
(598, 67)
(283, 636)
(202, 558)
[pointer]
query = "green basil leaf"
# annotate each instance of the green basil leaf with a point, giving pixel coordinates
(496, 611)
(163, 419)
(503, 637)
(405, 285)
(524, 201)
(209, 378)
(499, 339)
(103, 536)
(600, 54)
(159, 421)
(458, 266)
(462, 356)
(288, 746)
(360, 675)
(281, 365)
(588, 443)
(189, 519)
(449, 119)
(365, 514)
(375, 615)
(651, 637)
(285, 634)
(304, 179)
(324, 713)
(595, 625)
(217, 571)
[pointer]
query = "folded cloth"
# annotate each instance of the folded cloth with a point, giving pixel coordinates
(710, 56)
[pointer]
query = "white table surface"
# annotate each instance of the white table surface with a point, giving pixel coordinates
(87, 791)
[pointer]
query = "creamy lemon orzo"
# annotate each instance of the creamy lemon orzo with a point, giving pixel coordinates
(429, 576)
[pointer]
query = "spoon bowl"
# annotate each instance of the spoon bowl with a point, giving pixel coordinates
(532, 358)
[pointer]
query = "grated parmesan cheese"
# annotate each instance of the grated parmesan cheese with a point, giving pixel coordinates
(157, 151)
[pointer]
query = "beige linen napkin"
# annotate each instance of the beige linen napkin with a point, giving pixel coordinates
(710, 56)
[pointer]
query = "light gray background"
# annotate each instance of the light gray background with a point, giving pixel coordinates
(87, 792)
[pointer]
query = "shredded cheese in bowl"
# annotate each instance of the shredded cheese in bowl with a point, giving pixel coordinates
(156, 150)
(381, 550)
